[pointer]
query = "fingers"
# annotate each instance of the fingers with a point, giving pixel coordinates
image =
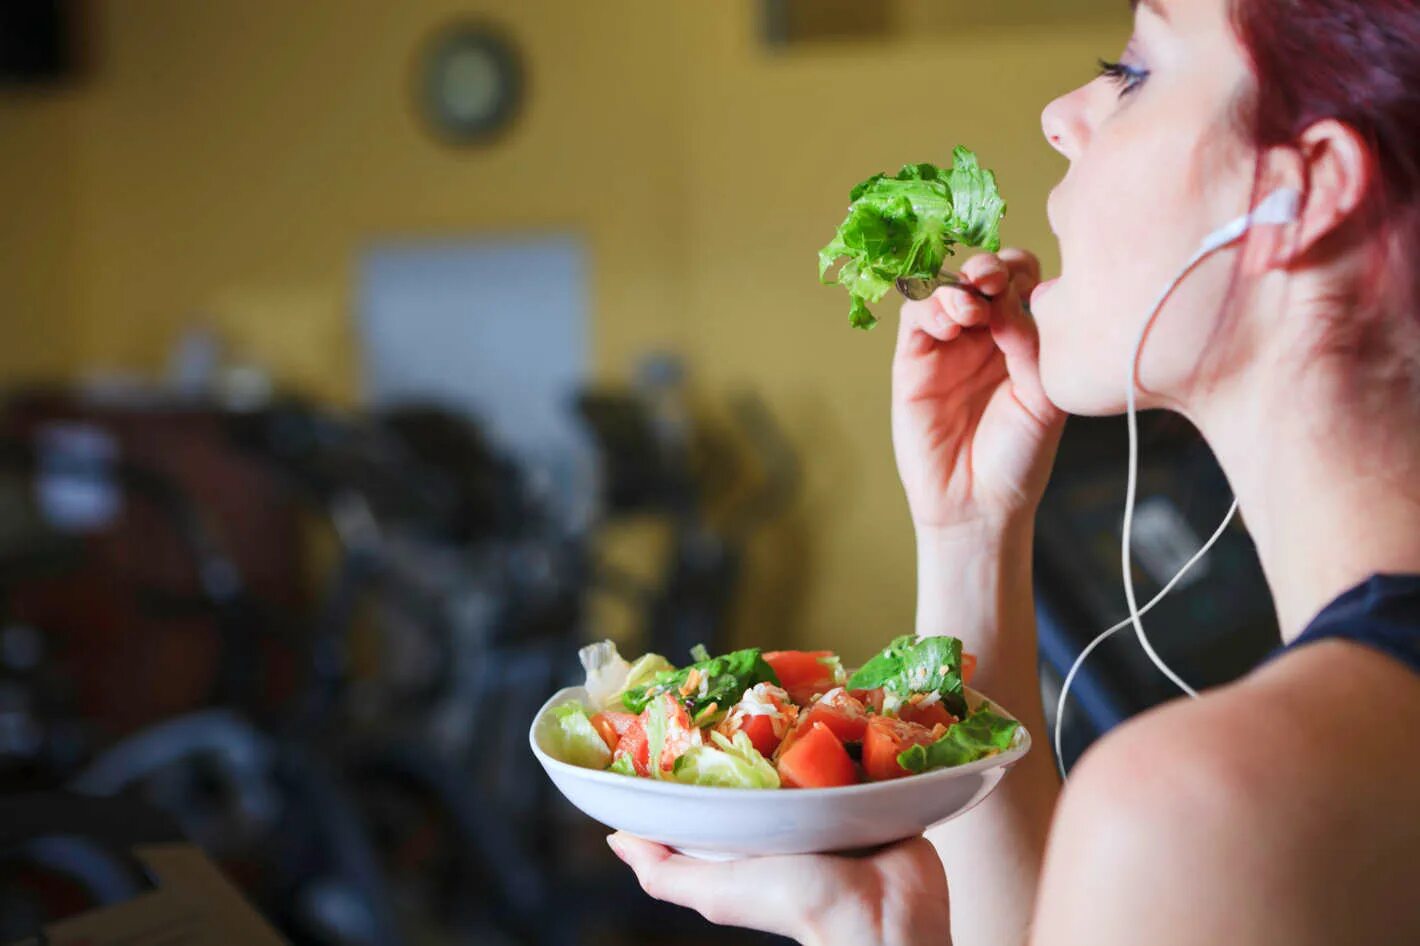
(1024, 267)
(794, 895)
(707, 887)
(923, 323)
(987, 272)
(1005, 278)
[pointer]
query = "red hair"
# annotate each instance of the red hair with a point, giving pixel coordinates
(1358, 62)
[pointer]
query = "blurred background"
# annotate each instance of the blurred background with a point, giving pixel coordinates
(363, 360)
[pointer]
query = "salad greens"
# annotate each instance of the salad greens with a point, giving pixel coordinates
(609, 676)
(643, 671)
(776, 719)
(906, 226)
(656, 734)
(909, 665)
(622, 765)
(718, 680)
(735, 764)
(979, 735)
(575, 739)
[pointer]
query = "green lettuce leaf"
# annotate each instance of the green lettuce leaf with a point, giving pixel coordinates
(977, 207)
(642, 671)
(622, 765)
(656, 735)
(734, 764)
(575, 740)
(981, 734)
(910, 665)
(725, 680)
(906, 226)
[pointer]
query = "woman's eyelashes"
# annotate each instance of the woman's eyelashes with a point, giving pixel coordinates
(1128, 78)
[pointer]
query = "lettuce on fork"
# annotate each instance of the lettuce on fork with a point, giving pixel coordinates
(904, 227)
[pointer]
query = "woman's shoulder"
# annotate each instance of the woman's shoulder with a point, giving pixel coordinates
(1328, 727)
(1291, 790)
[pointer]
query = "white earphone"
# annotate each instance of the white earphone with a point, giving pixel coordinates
(1279, 207)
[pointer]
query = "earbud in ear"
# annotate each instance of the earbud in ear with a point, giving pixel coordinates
(1278, 207)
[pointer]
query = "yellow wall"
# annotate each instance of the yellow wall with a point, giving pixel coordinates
(36, 236)
(232, 157)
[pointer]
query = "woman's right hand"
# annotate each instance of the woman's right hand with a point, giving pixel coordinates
(972, 428)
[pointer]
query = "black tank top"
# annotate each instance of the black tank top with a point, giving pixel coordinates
(1382, 612)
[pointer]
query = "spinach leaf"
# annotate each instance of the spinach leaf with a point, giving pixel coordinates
(909, 665)
(720, 680)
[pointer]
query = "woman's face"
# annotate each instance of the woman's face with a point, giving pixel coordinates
(1156, 163)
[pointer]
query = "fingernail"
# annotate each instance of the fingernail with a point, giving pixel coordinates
(615, 846)
(943, 322)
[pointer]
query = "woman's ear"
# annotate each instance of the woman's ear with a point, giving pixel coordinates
(1332, 167)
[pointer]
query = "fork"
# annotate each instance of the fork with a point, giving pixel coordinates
(919, 289)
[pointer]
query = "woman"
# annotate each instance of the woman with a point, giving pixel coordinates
(1282, 808)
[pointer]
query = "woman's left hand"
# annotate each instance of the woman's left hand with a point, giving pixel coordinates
(897, 896)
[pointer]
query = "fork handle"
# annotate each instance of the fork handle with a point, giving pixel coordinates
(919, 289)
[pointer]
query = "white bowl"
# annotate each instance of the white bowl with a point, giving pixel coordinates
(729, 823)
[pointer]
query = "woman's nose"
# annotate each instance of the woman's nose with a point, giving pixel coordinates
(1063, 123)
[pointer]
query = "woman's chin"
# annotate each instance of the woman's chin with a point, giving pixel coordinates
(1076, 385)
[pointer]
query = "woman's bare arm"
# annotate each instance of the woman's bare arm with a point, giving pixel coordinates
(976, 584)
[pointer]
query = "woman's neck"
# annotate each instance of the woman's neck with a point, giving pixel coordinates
(1328, 485)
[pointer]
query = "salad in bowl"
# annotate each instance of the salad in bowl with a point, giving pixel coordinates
(699, 756)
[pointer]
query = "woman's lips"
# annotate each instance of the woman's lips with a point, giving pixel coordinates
(1040, 289)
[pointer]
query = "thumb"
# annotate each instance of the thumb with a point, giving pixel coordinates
(1015, 334)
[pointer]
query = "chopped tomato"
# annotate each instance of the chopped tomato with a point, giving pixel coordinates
(929, 715)
(634, 743)
(612, 725)
(816, 760)
(802, 672)
(886, 738)
(840, 712)
(872, 699)
(968, 667)
(760, 730)
(764, 714)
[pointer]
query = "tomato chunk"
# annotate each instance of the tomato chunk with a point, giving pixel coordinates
(816, 760)
(968, 667)
(840, 712)
(765, 714)
(886, 737)
(612, 725)
(802, 672)
(760, 730)
(929, 715)
(634, 743)
(871, 699)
